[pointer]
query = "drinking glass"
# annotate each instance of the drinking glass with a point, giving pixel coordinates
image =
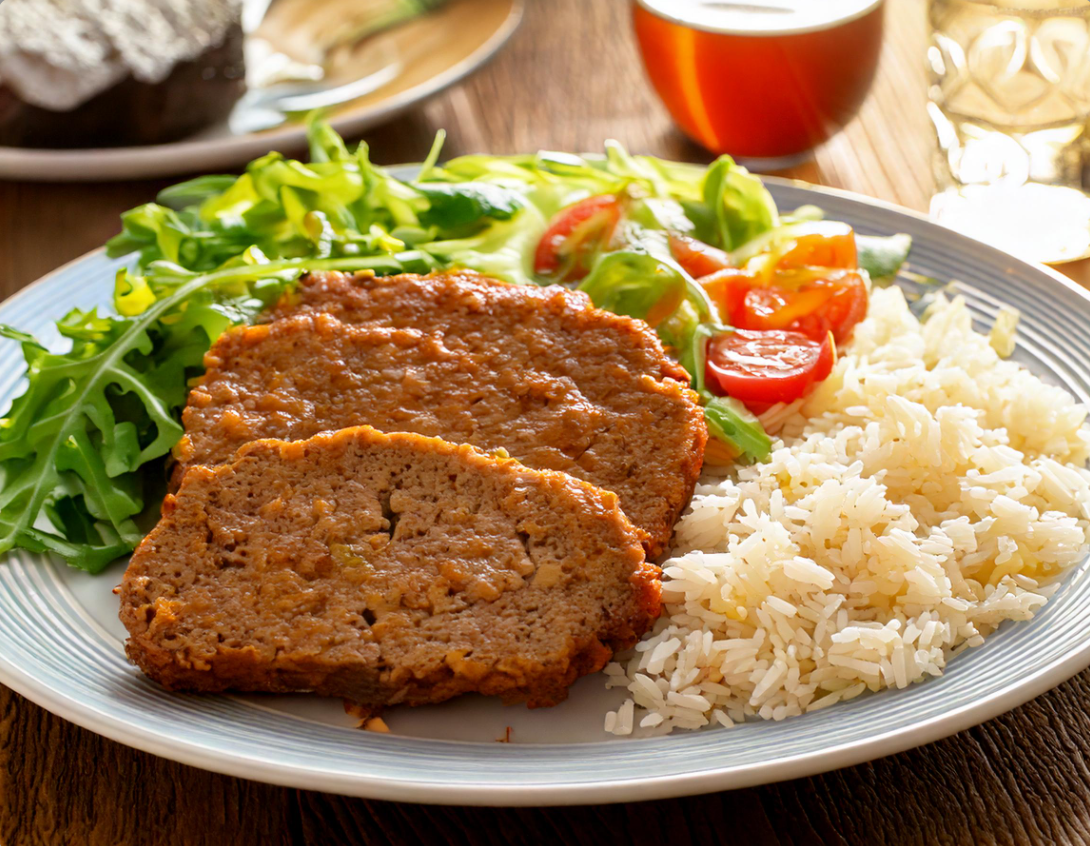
(1009, 98)
(763, 80)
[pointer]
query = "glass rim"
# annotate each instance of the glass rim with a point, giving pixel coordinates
(652, 7)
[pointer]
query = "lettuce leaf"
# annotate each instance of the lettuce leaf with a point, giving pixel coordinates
(636, 284)
(883, 256)
(657, 289)
(738, 204)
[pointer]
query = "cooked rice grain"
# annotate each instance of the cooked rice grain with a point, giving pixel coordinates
(925, 493)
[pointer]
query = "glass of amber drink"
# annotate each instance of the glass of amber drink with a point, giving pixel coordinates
(763, 80)
(1010, 98)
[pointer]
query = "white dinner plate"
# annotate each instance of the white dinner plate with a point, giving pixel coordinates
(427, 56)
(61, 642)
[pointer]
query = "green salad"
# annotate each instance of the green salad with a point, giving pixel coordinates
(82, 450)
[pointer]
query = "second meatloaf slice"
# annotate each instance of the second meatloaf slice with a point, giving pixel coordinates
(385, 569)
(557, 383)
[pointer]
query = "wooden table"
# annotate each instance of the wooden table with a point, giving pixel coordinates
(569, 80)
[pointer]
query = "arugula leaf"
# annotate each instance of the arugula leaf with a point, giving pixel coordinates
(89, 418)
(76, 446)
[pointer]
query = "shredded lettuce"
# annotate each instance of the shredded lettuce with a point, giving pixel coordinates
(82, 450)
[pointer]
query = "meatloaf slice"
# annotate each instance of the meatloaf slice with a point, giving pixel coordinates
(472, 311)
(385, 569)
(540, 372)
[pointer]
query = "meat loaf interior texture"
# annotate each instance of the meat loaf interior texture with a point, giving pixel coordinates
(473, 310)
(539, 372)
(385, 569)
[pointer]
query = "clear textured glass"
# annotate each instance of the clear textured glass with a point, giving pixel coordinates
(1010, 98)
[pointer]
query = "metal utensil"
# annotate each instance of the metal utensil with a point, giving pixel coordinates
(302, 88)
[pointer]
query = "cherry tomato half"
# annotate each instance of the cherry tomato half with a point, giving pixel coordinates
(575, 235)
(809, 301)
(823, 243)
(762, 368)
(697, 258)
(728, 288)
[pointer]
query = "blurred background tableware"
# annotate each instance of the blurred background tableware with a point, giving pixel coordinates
(303, 55)
(1010, 99)
(83, 74)
(112, 89)
(763, 80)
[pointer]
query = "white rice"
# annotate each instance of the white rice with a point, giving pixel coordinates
(923, 494)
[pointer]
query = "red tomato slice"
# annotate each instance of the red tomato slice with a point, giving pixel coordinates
(575, 235)
(807, 301)
(728, 289)
(839, 314)
(823, 243)
(781, 308)
(697, 258)
(761, 368)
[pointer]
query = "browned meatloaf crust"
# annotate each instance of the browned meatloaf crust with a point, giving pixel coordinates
(539, 372)
(385, 569)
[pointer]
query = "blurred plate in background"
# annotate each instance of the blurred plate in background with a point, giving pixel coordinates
(382, 77)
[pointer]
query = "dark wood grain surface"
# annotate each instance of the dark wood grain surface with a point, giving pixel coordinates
(568, 80)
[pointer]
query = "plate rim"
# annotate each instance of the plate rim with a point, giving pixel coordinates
(150, 161)
(638, 788)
